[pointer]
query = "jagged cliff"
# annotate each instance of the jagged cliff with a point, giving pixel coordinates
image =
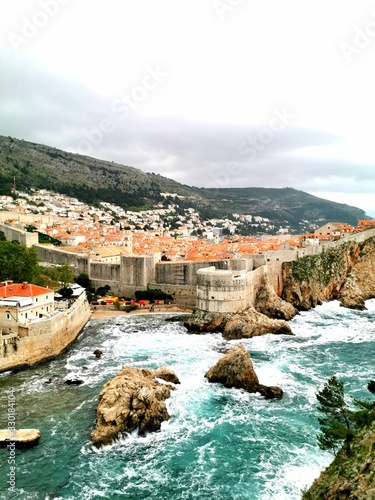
(344, 272)
(351, 476)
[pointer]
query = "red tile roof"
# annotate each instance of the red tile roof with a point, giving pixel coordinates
(22, 290)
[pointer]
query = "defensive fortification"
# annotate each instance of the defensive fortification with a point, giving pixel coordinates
(44, 339)
(221, 285)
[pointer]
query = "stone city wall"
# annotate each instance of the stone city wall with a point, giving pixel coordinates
(56, 255)
(45, 339)
(185, 273)
(23, 237)
(27, 218)
(182, 294)
(137, 272)
(275, 259)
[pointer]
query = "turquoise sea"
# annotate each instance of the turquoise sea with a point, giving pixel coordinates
(219, 443)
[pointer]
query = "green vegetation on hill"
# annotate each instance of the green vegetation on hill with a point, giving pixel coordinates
(352, 473)
(37, 166)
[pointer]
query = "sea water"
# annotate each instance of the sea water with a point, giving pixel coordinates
(219, 443)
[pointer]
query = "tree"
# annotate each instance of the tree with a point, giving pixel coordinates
(18, 263)
(335, 426)
(340, 422)
(83, 280)
(103, 290)
(66, 274)
(366, 408)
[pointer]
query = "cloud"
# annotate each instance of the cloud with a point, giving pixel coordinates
(45, 107)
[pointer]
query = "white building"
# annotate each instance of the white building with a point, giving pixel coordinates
(21, 303)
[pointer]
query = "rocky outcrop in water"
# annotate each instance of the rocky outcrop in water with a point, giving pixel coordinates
(73, 381)
(250, 323)
(351, 475)
(132, 400)
(206, 322)
(235, 369)
(244, 324)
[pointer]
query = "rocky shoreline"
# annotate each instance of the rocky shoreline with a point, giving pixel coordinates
(342, 273)
(269, 315)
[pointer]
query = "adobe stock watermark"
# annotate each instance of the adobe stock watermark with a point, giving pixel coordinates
(120, 109)
(253, 145)
(361, 39)
(224, 7)
(11, 475)
(30, 26)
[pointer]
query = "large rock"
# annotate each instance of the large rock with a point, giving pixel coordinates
(206, 322)
(267, 302)
(235, 369)
(132, 400)
(166, 374)
(250, 323)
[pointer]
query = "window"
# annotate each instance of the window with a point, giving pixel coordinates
(8, 316)
(46, 297)
(25, 315)
(47, 308)
(36, 299)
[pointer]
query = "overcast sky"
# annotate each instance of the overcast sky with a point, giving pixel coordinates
(215, 93)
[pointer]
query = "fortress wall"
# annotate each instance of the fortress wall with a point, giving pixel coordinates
(182, 294)
(46, 339)
(23, 237)
(258, 260)
(221, 291)
(185, 273)
(102, 274)
(100, 271)
(253, 281)
(27, 218)
(137, 270)
(53, 255)
(276, 259)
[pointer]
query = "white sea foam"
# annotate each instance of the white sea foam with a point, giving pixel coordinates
(219, 443)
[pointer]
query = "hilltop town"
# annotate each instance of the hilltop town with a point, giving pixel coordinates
(108, 231)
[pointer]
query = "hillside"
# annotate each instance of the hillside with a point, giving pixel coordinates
(91, 180)
(352, 473)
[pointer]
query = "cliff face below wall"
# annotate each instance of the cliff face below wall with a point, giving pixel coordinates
(352, 473)
(360, 283)
(343, 272)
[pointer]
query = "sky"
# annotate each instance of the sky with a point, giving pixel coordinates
(213, 93)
